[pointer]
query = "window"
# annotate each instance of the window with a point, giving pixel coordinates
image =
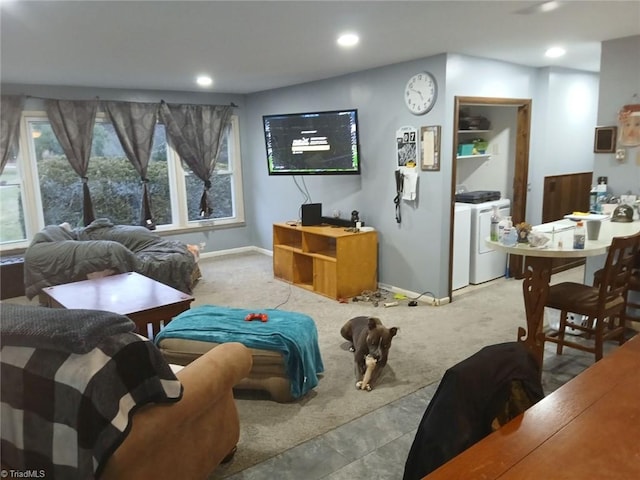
(55, 191)
(12, 222)
(222, 189)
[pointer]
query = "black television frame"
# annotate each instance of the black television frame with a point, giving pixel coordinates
(354, 170)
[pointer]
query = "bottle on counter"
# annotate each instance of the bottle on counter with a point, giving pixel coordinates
(509, 235)
(579, 236)
(495, 220)
(502, 224)
(601, 196)
(593, 200)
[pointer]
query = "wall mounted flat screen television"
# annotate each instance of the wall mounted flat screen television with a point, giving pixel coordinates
(314, 143)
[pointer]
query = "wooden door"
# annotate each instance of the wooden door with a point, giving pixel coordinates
(521, 168)
(564, 194)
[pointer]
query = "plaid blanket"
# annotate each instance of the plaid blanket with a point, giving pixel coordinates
(65, 413)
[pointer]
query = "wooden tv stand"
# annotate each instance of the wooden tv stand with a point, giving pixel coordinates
(325, 259)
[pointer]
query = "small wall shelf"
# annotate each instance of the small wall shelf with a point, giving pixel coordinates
(474, 131)
(481, 156)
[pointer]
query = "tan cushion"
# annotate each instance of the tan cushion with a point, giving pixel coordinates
(267, 373)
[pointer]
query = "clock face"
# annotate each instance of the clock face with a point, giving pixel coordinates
(420, 93)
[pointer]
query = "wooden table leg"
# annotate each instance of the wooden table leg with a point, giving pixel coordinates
(535, 288)
(157, 316)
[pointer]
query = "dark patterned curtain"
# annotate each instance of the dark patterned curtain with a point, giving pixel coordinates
(72, 123)
(196, 133)
(135, 124)
(10, 113)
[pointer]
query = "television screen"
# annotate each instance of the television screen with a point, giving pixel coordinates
(314, 143)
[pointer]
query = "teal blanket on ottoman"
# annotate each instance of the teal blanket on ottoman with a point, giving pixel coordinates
(291, 333)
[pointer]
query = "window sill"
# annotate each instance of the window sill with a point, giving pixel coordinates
(201, 226)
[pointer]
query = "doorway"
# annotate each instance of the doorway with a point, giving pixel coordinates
(520, 167)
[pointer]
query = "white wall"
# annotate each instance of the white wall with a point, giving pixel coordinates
(619, 82)
(564, 112)
(496, 172)
(410, 252)
(413, 255)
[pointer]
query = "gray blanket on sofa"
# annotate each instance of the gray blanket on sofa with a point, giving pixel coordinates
(58, 255)
(71, 331)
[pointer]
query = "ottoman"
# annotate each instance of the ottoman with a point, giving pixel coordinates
(286, 356)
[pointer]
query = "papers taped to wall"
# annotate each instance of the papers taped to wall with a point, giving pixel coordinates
(410, 182)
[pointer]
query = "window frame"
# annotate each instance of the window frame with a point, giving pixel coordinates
(32, 203)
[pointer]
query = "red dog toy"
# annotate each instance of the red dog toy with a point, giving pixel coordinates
(263, 317)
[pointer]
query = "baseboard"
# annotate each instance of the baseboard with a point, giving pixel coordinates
(426, 299)
(235, 251)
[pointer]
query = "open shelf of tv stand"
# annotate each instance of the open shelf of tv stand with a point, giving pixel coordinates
(325, 259)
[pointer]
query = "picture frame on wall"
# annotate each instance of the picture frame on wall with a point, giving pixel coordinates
(605, 140)
(430, 148)
(407, 146)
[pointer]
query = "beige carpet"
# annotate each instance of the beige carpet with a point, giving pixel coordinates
(430, 340)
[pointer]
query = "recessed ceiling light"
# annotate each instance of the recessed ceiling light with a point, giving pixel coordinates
(348, 40)
(544, 7)
(204, 81)
(555, 52)
(549, 6)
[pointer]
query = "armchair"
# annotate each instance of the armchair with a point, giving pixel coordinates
(82, 396)
(187, 439)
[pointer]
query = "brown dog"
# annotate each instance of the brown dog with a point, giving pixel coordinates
(368, 337)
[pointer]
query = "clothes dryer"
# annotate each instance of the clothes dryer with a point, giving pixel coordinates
(461, 246)
(486, 264)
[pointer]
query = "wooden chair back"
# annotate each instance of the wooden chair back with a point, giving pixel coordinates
(614, 277)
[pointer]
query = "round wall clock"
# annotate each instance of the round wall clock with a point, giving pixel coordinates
(420, 93)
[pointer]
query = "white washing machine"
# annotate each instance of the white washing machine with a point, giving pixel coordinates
(461, 245)
(486, 264)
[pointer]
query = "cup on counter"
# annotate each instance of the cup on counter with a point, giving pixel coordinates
(593, 229)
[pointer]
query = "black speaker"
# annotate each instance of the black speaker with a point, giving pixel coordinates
(311, 214)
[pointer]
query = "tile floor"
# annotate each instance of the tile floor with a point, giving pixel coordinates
(375, 446)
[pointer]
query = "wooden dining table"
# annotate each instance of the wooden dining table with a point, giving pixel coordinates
(586, 429)
(538, 264)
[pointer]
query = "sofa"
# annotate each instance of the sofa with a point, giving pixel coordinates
(58, 254)
(125, 414)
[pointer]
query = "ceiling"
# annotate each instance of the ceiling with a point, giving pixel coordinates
(253, 46)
